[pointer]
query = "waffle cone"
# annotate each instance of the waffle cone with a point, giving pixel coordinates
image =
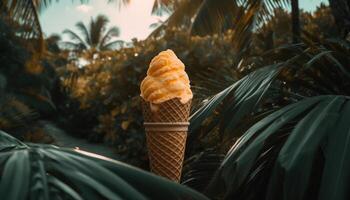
(166, 132)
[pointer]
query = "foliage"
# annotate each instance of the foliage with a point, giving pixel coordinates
(286, 99)
(37, 76)
(45, 172)
(94, 36)
(218, 126)
(298, 70)
(341, 13)
(113, 78)
(103, 96)
(200, 168)
(208, 16)
(299, 151)
(27, 80)
(278, 31)
(25, 14)
(295, 73)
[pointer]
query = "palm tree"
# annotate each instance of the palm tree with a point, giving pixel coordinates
(26, 13)
(207, 18)
(93, 36)
(204, 17)
(216, 12)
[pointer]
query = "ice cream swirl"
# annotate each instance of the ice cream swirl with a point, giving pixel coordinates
(166, 79)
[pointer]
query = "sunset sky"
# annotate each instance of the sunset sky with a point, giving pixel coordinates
(133, 20)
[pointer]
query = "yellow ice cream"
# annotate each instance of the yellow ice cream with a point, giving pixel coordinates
(166, 79)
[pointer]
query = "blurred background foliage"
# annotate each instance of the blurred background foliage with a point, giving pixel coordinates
(260, 76)
(100, 101)
(103, 96)
(27, 82)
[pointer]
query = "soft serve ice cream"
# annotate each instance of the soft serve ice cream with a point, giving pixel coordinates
(166, 103)
(166, 79)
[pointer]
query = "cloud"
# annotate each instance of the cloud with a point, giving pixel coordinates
(84, 8)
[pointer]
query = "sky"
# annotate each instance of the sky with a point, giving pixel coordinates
(133, 20)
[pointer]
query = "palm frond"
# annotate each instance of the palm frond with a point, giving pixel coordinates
(243, 27)
(264, 8)
(308, 160)
(71, 46)
(75, 37)
(212, 17)
(200, 168)
(46, 171)
(184, 12)
(7, 142)
(181, 17)
(26, 14)
(97, 27)
(240, 98)
(301, 71)
(113, 45)
(112, 32)
(84, 32)
(93, 37)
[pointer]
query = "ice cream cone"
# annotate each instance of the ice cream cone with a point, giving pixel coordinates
(166, 132)
(166, 101)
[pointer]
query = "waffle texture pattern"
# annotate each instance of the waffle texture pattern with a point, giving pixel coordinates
(166, 133)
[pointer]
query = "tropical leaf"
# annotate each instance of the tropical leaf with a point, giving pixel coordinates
(300, 72)
(75, 37)
(239, 98)
(112, 32)
(96, 28)
(301, 160)
(46, 171)
(213, 17)
(200, 168)
(84, 31)
(113, 45)
(26, 14)
(264, 7)
(7, 142)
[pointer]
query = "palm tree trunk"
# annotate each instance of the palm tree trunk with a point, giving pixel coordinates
(295, 21)
(341, 13)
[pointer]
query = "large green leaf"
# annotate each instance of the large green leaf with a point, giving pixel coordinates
(298, 153)
(212, 17)
(46, 171)
(15, 176)
(8, 142)
(335, 178)
(239, 99)
(312, 158)
(164, 189)
(200, 168)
